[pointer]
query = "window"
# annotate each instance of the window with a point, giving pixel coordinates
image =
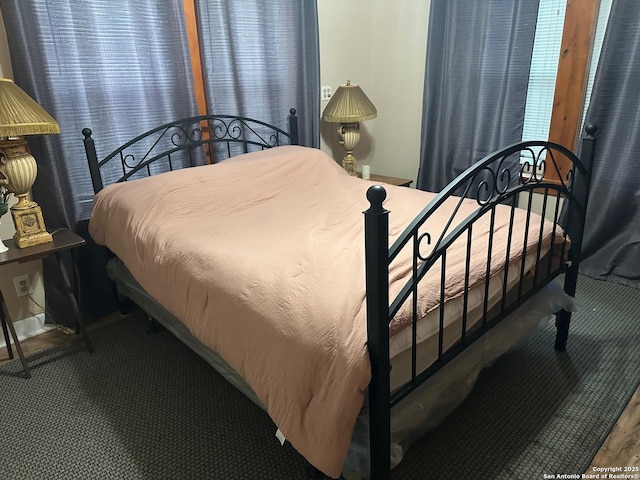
(556, 107)
(544, 69)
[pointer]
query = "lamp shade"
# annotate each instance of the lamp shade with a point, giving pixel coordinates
(20, 115)
(349, 104)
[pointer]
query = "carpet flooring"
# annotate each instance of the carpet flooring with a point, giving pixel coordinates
(145, 407)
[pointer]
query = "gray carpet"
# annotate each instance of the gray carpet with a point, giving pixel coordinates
(145, 407)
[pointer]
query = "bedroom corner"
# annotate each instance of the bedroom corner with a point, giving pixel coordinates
(256, 312)
(29, 316)
(351, 48)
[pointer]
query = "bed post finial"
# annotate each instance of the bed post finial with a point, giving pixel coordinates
(591, 130)
(376, 240)
(293, 127)
(376, 196)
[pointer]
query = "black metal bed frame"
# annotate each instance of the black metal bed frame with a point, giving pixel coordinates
(223, 136)
(490, 181)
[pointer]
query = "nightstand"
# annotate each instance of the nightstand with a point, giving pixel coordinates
(62, 240)
(401, 182)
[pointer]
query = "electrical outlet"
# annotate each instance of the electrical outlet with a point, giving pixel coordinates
(23, 285)
(326, 93)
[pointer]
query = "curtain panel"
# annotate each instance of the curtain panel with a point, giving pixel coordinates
(261, 58)
(477, 73)
(118, 67)
(611, 244)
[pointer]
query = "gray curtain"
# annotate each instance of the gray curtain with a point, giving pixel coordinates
(611, 245)
(477, 73)
(119, 67)
(260, 59)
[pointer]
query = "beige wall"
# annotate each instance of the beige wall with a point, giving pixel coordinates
(381, 45)
(345, 54)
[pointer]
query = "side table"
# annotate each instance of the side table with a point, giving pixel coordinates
(62, 240)
(401, 182)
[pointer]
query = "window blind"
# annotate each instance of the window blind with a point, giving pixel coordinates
(544, 69)
(544, 66)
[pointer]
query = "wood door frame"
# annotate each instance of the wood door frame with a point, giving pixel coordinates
(571, 81)
(190, 15)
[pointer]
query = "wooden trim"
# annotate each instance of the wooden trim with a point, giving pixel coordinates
(194, 53)
(571, 81)
(190, 16)
(621, 447)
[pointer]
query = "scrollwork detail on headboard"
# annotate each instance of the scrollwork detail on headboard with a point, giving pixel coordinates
(178, 136)
(187, 142)
(221, 129)
(129, 161)
(236, 128)
(191, 133)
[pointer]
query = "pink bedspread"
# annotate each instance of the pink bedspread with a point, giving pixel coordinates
(262, 257)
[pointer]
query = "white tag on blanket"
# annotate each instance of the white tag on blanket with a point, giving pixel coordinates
(280, 437)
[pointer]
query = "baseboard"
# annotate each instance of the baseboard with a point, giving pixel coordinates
(29, 327)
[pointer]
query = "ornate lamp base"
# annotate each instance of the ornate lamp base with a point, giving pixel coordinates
(349, 164)
(30, 228)
(349, 137)
(18, 169)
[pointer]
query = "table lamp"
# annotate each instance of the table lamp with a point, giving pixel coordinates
(349, 106)
(20, 115)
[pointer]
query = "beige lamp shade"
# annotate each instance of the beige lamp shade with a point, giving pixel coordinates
(349, 104)
(20, 115)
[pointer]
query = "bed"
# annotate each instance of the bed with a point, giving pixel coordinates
(340, 328)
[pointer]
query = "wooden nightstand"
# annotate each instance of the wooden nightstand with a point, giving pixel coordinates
(62, 240)
(401, 182)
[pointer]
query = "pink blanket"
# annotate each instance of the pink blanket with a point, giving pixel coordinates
(262, 257)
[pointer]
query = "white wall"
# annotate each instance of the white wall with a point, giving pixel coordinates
(380, 45)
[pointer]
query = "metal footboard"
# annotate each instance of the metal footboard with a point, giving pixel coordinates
(499, 179)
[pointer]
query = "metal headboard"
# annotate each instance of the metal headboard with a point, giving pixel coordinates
(180, 143)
